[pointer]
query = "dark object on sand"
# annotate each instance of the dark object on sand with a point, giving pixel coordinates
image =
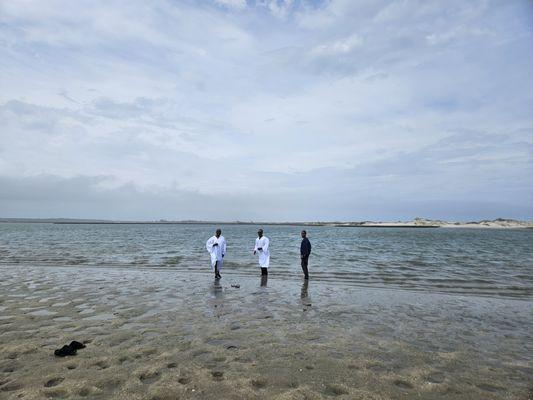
(64, 351)
(76, 345)
(69, 350)
(235, 285)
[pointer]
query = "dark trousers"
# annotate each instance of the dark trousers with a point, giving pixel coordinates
(305, 261)
(264, 271)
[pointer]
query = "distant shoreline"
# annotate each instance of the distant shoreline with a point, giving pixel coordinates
(499, 223)
(248, 223)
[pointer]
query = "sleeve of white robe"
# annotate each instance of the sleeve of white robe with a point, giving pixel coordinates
(265, 246)
(212, 251)
(224, 247)
(209, 245)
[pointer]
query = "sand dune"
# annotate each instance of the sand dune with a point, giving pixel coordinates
(499, 223)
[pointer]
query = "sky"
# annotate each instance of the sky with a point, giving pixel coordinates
(271, 110)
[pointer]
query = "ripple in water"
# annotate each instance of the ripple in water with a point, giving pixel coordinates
(488, 262)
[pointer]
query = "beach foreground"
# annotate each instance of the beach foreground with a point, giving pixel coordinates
(153, 334)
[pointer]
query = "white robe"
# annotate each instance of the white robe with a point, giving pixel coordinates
(264, 254)
(217, 252)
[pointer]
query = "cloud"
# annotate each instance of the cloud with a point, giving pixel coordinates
(278, 8)
(233, 4)
(342, 46)
(370, 197)
(316, 109)
(104, 197)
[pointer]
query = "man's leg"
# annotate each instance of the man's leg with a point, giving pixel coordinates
(264, 271)
(219, 266)
(216, 270)
(305, 261)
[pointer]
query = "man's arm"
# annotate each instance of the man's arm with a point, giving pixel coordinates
(306, 247)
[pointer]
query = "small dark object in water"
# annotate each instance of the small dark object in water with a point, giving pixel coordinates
(235, 285)
(64, 351)
(70, 349)
(76, 345)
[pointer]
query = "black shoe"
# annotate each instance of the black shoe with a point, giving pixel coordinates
(76, 345)
(64, 351)
(70, 349)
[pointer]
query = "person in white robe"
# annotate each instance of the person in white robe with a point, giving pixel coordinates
(261, 250)
(216, 247)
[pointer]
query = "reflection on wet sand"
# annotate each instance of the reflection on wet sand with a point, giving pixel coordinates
(155, 337)
(217, 289)
(304, 295)
(264, 280)
(216, 298)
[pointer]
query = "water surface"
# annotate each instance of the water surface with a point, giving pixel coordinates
(387, 314)
(492, 262)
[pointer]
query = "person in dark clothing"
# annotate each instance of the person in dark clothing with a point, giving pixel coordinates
(305, 250)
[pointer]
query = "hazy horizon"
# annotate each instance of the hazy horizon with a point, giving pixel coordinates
(272, 110)
(206, 221)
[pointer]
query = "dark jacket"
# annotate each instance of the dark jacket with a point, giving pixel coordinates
(305, 247)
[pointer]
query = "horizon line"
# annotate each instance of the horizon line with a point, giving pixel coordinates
(67, 220)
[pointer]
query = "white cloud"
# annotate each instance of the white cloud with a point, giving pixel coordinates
(371, 102)
(342, 46)
(232, 4)
(278, 8)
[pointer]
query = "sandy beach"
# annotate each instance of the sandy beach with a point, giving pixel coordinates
(373, 160)
(499, 223)
(153, 334)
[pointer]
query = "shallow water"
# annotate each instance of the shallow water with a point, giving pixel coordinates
(475, 261)
(359, 329)
(159, 334)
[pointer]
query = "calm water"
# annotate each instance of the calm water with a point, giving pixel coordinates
(388, 313)
(493, 263)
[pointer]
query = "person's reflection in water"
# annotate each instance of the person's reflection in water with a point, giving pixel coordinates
(264, 280)
(216, 301)
(217, 289)
(304, 295)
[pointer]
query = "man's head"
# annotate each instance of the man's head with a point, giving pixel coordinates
(218, 233)
(260, 233)
(304, 234)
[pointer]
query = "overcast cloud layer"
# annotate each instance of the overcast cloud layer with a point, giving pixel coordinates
(266, 110)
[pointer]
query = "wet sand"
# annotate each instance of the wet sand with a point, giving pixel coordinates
(155, 334)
